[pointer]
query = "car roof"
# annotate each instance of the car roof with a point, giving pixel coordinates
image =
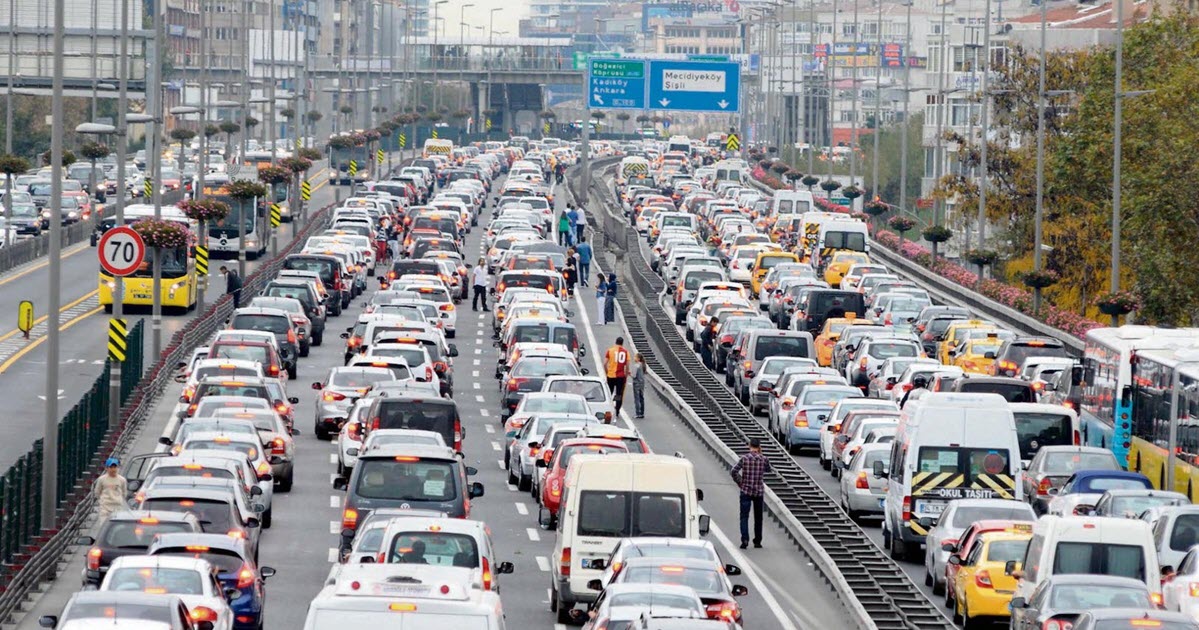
(215, 541)
(423, 451)
(161, 515)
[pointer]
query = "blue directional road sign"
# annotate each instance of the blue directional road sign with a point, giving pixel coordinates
(695, 86)
(616, 83)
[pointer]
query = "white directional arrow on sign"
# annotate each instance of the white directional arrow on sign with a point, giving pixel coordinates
(599, 100)
(664, 102)
(722, 103)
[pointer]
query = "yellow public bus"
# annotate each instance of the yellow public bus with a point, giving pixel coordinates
(179, 279)
(1164, 392)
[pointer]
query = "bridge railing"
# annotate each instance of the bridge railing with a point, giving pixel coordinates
(473, 63)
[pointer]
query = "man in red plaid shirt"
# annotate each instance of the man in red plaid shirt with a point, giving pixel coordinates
(750, 476)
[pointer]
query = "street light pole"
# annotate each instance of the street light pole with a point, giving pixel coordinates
(1117, 134)
(878, 106)
(462, 56)
(154, 95)
(831, 66)
(12, 55)
(907, 97)
(942, 106)
(49, 490)
(434, 58)
(122, 134)
(202, 161)
(1036, 264)
(984, 122)
(271, 132)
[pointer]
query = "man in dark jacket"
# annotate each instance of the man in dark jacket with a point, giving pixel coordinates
(232, 285)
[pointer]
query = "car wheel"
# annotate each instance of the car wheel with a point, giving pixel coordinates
(745, 395)
(267, 517)
(320, 433)
(318, 338)
(791, 448)
(293, 373)
(899, 549)
(938, 586)
(285, 485)
(928, 577)
(824, 463)
(563, 609)
(948, 601)
(451, 333)
(512, 480)
(304, 350)
(523, 482)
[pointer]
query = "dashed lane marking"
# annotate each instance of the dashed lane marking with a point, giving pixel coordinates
(495, 446)
(479, 398)
(332, 555)
(543, 563)
(334, 501)
(476, 384)
(484, 413)
(333, 458)
(489, 428)
(474, 373)
(533, 535)
(334, 527)
(522, 509)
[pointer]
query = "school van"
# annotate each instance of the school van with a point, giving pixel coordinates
(810, 226)
(842, 235)
(791, 202)
(615, 496)
(948, 446)
(632, 166)
(404, 597)
(434, 146)
(1088, 545)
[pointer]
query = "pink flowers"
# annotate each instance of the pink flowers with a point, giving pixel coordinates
(1003, 293)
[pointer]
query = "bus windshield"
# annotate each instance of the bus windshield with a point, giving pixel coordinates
(228, 226)
(174, 264)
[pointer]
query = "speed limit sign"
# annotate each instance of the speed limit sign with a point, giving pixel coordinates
(121, 251)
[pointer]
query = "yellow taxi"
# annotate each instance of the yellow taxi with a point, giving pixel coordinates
(978, 354)
(952, 336)
(764, 262)
(829, 335)
(840, 264)
(981, 588)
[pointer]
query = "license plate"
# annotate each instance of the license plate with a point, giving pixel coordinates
(585, 563)
(401, 590)
(142, 296)
(928, 507)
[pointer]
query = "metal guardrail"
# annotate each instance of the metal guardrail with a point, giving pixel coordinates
(874, 589)
(30, 553)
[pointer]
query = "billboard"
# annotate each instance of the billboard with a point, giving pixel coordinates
(862, 54)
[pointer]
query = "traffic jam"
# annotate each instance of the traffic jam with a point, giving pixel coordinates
(373, 310)
(956, 443)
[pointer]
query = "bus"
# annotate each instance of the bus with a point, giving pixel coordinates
(224, 236)
(178, 281)
(1107, 404)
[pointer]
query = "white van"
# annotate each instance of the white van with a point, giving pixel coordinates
(437, 146)
(609, 497)
(404, 597)
(1088, 545)
(948, 446)
(791, 202)
(842, 234)
(632, 166)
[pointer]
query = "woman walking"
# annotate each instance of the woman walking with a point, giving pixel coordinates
(610, 302)
(601, 296)
(639, 386)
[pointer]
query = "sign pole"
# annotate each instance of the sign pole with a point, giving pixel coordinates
(115, 368)
(49, 489)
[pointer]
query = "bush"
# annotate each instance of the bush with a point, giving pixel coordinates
(792, 175)
(346, 109)
(901, 224)
(546, 114)
(68, 158)
(432, 117)
(250, 122)
(937, 234)
(780, 167)
(12, 164)
(287, 113)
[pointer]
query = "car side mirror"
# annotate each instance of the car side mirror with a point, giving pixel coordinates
(352, 452)
(505, 568)
(704, 524)
(595, 585)
(341, 483)
(293, 400)
(134, 485)
(184, 399)
(253, 523)
(732, 569)
(584, 371)
(1055, 491)
(266, 572)
(541, 463)
(1009, 567)
(950, 547)
(1019, 602)
(954, 559)
(1084, 510)
(48, 621)
(344, 335)
(740, 590)
(275, 460)
(879, 471)
(453, 350)
(232, 593)
(476, 490)
(318, 385)
(891, 380)
(204, 625)
(85, 541)
(471, 471)
(180, 378)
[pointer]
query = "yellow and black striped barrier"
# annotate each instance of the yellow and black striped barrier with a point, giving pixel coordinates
(118, 339)
(276, 215)
(487, 124)
(148, 187)
(201, 260)
(403, 140)
(379, 155)
(353, 167)
(305, 190)
(434, 134)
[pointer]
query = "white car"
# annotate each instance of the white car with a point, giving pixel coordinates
(232, 369)
(524, 448)
(193, 580)
(830, 428)
(593, 388)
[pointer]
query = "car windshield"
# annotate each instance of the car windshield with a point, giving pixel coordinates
(210, 371)
(1073, 462)
(828, 397)
(554, 404)
(1098, 558)
(538, 368)
(412, 355)
(769, 346)
(593, 391)
(623, 514)
(1082, 597)
(246, 353)
(1038, 430)
(966, 516)
(702, 580)
(214, 516)
(188, 470)
(435, 548)
(585, 449)
(1099, 485)
(155, 580)
(245, 448)
(353, 379)
(888, 350)
(232, 389)
(139, 533)
(1006, 550)
(1133, 506)
(406, 479)
(655, 600)
(118, 608)
(225, 561)
(1012, 392)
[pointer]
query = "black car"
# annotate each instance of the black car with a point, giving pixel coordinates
(111, 607)
(401, 410)
(823, 304)
(314, 306)
(1011, 355)
(1062, 598)
(129, 533)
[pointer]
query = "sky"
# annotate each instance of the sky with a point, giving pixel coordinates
(480, 15)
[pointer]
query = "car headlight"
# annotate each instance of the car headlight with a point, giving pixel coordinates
(72, 214)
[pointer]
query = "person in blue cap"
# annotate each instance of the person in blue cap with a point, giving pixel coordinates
(110, 489)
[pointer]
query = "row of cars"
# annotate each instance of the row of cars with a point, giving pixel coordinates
(959, 434)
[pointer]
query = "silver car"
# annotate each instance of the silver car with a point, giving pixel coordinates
(763, 382)
(341, 387)
(959, 515)
(862, 494)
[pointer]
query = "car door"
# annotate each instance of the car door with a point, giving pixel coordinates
(138, 467)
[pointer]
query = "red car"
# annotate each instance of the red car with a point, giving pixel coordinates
(554, 481)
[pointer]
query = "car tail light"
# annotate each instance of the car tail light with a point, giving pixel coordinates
(486, 574)
(1077, 435)
(564, 562)
(1044, 486)
(457, 434)
(277, 447)
(245, 577)
(236, 533)
(862, 483)
(1057, 624)
(191, 409)
(788, 403)
(299, 321)
(890, 386)
(555, 487)
(1007, 368)
(982, 579)
(723, 611)
(93, 558)
(188, 393)
(514, 383)
(349, 518)
(282, 408)
(353, 342)
(202, 613)
(862, 364)
(907, 508)
(887, 320)
(263, 469)
(446, 307)
(801, 420)
(332, 396)
(273, 371)
(428, 373)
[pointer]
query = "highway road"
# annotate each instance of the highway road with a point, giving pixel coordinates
(84, 328)
(785, 592)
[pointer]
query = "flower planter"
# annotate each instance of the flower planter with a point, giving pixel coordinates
(1114, 310)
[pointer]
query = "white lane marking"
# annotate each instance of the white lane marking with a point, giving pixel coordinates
(334, 527)
(474, 373)
(332, 555)
(495, 446)
(500, 463)
(521, 509)
(543, 563)
(477, 385)
(478, 398)
(595, 357)
(533, 535)
(511, 488)
(478, 362)
(748, 571)
(333, 458)
(335, 501)
(478, 351)
(332, 478)
(489, 428)
(484, 413)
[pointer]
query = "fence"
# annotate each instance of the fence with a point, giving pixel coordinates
(29, 549)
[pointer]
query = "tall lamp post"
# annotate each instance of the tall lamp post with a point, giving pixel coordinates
(462, 56)
(436, 61)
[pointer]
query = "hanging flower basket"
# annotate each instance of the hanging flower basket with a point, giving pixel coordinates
(792, 175)
(246, 189)
(371, 135)
(309, 153)
(12, 164)
(829, 185)
(314, 116)
(1040, 279)
(359, 139)
(160, 234)
(937, 234)
(340, 142)
(875, 208)
(251, 122)
(861, 216)
(211, 130)
(981, 257)
(295, 164)
(1118, 303)
(851, 192)
(274, 174)
(901, 224)
(204, 209)
(780, 167)
(765, 164)
(97, 150)
(810, 180)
